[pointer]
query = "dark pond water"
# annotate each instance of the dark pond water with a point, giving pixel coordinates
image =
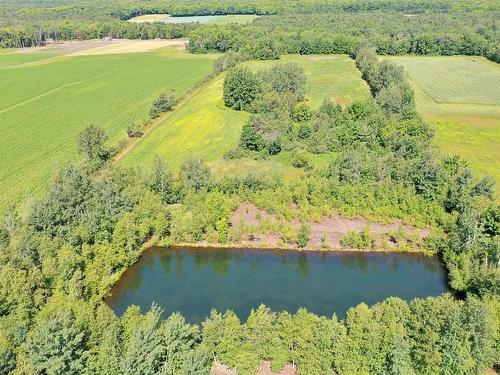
(193, 281)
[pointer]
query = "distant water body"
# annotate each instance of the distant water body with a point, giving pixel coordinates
(192, 281)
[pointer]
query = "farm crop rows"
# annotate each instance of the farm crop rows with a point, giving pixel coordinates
(45, 104)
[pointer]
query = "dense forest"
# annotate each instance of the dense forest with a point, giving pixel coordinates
(423, 27)
(60, 256)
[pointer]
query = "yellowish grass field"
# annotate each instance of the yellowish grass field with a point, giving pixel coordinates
(203, 127)
(460, 97)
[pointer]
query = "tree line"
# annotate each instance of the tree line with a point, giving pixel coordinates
(394, 28)
(391, 33)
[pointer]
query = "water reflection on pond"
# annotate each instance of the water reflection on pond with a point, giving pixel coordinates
(193, 281)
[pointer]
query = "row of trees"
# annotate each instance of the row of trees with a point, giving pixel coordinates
(39, 33)
(271, 37)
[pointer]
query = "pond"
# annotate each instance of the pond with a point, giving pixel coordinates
(195, 280)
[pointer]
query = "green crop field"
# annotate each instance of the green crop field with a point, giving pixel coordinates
(460, 97)
(11, 57)
(46, 103)
(203, 127)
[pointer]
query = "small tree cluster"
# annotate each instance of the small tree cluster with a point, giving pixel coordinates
(164, 103)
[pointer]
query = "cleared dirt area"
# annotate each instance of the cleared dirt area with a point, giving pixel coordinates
(327, 233)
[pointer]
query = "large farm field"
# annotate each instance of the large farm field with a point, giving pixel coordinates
(460, 97)
(203, 127)
(46, 101)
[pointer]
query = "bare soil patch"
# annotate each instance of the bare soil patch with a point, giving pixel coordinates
(332, 229)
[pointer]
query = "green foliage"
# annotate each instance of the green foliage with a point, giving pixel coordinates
(251, 135)
(195, 175)
(91, 144)
(357, 239)
(57, 346)
(241, 87)
(161, 180)
(303, 235)
(300, 160)
(164, 103)
(285, 78)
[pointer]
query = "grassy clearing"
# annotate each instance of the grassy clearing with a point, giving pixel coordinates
(335, 77)
(460, 97)
(203, 127)
(46, 104)
(208, 20)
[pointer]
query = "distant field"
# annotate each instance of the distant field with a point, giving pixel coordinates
(210, 20)
(460, 96)
(45, 104)
(149, 18)
(203, 127)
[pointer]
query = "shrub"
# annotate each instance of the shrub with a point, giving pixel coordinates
(303, 235)
(357, 240)
(302, 112)
(195, 175)
(134, 131)
(251, 138)
(300, 160)
(164, 103)
(91, 143)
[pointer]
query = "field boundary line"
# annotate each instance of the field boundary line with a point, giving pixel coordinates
(38, 96)
(131, 145)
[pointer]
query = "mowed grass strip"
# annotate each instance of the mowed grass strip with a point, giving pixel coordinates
(202, 127)
(455, 79)
(45, 106)
(466, 114)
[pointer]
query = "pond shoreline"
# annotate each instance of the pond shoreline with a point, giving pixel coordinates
(265, 247)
